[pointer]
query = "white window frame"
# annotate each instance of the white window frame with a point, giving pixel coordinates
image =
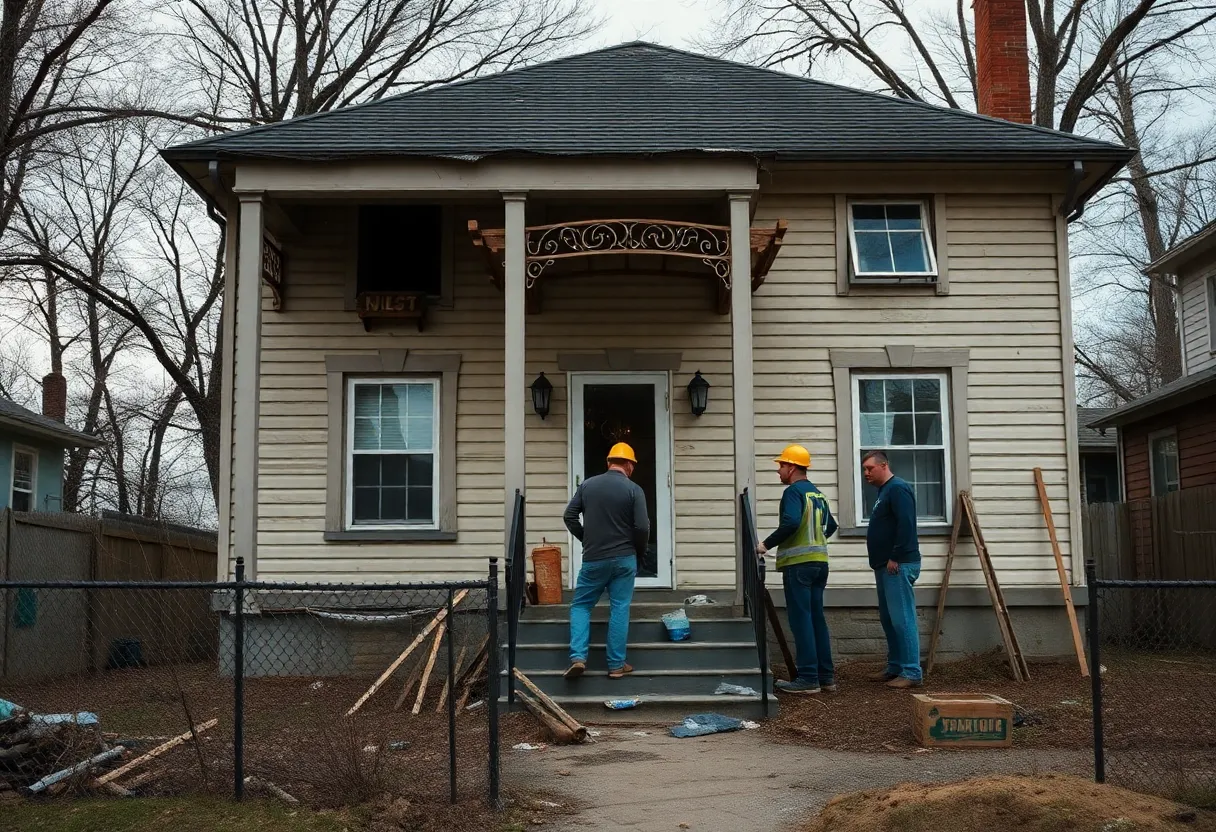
(1153, 439)
(349, 452)
(946, 445)
(926, 215)
(12, 479)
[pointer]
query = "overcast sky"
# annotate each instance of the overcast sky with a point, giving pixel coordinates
(670, 22)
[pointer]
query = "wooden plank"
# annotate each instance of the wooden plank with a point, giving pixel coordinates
(410, 681)
(944, 588)
(449, 684)
(430, 665)
(1016, 663)
(573, 724)
(158, 751)
(1064, 587)
(405, 654)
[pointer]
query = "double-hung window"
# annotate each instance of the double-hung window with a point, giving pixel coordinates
(891, 242)
(1163, 456)
(906, 416)
(392, 453)
(25, 467)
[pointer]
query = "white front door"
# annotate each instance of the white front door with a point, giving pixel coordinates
(606, 408)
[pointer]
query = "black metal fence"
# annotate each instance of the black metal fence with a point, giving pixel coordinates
(752, 567)
(1152, 655)
(325, 694)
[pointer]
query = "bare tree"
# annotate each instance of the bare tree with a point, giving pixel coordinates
(1109, 68)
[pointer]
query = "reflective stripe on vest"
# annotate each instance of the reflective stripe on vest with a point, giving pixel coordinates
(808, 544)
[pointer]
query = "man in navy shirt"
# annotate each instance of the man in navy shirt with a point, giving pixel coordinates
(895, 558)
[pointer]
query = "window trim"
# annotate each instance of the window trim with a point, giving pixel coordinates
(845, 285)
(12, 477)
(350, 452)
(390, 363)
(954, 362)
(1153, 438)
(946, 446)
(926, 233)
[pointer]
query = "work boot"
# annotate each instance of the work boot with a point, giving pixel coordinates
(903, 683)
(620, 672)
(829, 687)
(575, 670)
(798, 686)
(880, 676)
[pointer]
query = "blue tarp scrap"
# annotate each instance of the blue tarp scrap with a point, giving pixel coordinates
(698, 725)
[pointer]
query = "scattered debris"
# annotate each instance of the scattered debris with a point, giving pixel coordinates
(641, 733)
(370, 749)
(622, 704)
(563, 773)
(476, 705)
(316, 685)
(735, 690)
(699, 601)
(398, 745)
(272, 789)
(527, 746)
(1070, 702)
(698, 725)
(555, 710)
(79, 768)
(593, 733)
(749, 725)
(677, 625)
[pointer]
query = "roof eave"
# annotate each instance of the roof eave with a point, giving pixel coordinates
(67, 437)
(1194, 246)
(1148, 406)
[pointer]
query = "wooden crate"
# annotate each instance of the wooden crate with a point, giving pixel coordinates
(962, 720)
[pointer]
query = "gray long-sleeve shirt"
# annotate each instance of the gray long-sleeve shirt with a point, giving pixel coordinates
(614, 520)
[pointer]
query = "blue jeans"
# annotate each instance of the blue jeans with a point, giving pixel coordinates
(897, 611)
(804, 585)
(615, 575)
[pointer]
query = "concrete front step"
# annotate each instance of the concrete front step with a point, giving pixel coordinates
(557, 630)
(661, 709)
(638, 611)
(644, 656)
(682, 682)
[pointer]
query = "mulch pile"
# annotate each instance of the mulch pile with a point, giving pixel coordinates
(1045, 803)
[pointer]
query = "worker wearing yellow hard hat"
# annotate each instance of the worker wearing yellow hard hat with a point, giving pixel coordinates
(607, 514)
(802, 559)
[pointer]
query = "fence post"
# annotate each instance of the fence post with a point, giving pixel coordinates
(451, 697)
(238, 682)
(492, 648)
(1095, 668)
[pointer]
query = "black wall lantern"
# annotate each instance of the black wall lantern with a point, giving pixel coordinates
(698, 394)
(542, 395)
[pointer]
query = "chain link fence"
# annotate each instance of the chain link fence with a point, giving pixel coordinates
(1152, 649)
(323, 694)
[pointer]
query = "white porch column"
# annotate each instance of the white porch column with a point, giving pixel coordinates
(741, 343)
(514, 292)
(245, 384)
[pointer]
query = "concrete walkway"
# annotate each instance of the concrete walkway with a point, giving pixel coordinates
(734, 782)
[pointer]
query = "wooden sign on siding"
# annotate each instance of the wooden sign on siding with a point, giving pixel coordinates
(391, 306)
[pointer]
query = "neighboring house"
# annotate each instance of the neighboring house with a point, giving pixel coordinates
(32, 447)
(1099, 454)
(845, 269)
(1167, 439)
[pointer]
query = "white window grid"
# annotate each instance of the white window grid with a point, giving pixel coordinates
(945, 446)
(925, 235)
(351, 452)
(30, 487)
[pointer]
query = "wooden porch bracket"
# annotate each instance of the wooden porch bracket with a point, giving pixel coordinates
(549, 244)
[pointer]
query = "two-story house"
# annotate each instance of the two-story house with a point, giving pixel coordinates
(445, 297)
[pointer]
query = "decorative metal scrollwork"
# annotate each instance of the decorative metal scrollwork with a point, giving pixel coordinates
(549, 243)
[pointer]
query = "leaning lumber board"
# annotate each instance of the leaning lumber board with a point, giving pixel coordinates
(271, 788)
(1055, 550)
(472, 680)
(448, 682)
(144, 777)
(474, 662)
(774, 621)
(426, 673)
(580, 732)
(158, 751)
(409, 685)
(560, 732)
(405, 654)
(84, 765)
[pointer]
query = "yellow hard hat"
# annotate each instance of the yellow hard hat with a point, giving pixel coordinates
(795, 455)
(622, 451)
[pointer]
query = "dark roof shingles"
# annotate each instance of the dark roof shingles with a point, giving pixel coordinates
(10, 411)
(640, 99)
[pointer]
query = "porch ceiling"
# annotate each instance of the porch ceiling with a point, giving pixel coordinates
(549, 245)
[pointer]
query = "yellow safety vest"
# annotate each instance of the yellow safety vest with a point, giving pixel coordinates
(809, 543)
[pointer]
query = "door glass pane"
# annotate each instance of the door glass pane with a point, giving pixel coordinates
(625, 413)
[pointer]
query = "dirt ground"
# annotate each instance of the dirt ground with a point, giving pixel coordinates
(1040, 803)
(1054, 707)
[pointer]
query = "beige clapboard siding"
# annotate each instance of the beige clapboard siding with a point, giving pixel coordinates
(1196, 326)
(1003, 306)
(604, 312)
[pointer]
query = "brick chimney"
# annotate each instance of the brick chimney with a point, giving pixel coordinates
(1002, 59)
(55, 397)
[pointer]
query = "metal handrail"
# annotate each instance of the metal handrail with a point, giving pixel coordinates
(752, 567)
(517, 576)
